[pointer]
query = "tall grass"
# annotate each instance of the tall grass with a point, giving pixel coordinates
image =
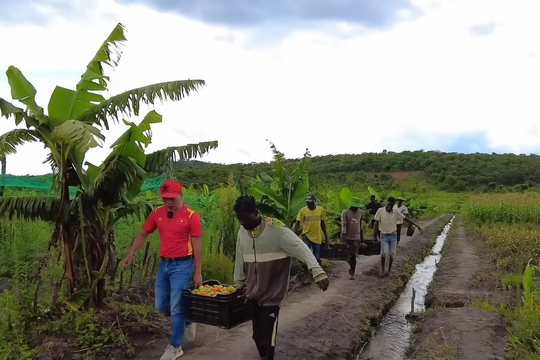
(509, 225)
(525, 318)
(31, 275)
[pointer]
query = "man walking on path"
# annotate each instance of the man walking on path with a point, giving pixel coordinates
(262, 268)
(372, 208)
(404, 211)
(311, 218)
(352, 232)
(180, 231)
(386, 222)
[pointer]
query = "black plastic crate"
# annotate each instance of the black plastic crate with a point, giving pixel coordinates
(372, 248)
(225, 311)
(327, 253)
(362, 248)
(335, 252)
(341, 252)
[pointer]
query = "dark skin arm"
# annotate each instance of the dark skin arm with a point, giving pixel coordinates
(412, 222)
(296, 228)
(362, 229)
(323, 227)
(375, 231)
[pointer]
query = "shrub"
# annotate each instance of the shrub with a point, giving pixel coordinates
(217, 267)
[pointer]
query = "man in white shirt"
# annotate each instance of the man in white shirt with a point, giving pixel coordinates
(386, 222)
(404, 211)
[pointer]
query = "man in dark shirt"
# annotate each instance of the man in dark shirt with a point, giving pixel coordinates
(351, 231)
(372, 208)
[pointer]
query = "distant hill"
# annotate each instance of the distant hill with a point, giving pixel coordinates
(191, 163)
(445, 171)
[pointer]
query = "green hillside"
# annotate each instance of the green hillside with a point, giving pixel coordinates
(415, 170)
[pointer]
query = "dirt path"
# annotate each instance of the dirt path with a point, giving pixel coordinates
(452, 329)
(313, 324)
(461, 333)
(465, 273)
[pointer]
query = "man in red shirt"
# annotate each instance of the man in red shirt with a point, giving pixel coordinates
(180, 231)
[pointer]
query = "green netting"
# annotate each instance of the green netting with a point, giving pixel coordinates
(44, 182)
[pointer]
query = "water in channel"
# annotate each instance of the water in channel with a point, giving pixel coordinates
(393, 334)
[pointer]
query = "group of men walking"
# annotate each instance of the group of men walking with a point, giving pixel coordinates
(263, 256)
(386, 225)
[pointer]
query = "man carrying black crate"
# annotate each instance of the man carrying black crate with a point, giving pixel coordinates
(311, 224)
(180, 251)
(262, 268)
(402, 209)
(352, 232)
(385, 226)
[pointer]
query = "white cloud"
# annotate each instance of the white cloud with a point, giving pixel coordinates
(333, 94)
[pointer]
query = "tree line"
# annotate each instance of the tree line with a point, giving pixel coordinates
(447, 171)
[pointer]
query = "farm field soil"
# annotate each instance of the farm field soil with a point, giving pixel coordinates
(313, 324)
(452, 328)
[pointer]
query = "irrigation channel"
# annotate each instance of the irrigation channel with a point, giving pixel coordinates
(392, 337)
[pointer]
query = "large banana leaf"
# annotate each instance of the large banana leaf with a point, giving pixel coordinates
(113, 180)
(120, 176)
(66, 104)
(7, 109)
(141, 133)
(129, 103)
(279, 201)
(139, 210)
(23, 91)
(374, 192)
(270, 211)
(158, 161)
(78, 135)
(132, 142)
(298, 198)
(264, 177)
(10, 140)
(344, 199)
(29, 208)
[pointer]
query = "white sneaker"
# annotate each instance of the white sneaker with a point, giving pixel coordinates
(172, 353)
(191, 332)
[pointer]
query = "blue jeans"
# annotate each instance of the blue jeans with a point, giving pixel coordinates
(388, 245)
(171, 280)
(316, 248)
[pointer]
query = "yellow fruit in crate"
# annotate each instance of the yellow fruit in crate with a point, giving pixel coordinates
(213, 290)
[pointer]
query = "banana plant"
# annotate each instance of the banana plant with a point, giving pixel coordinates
(83, 222)
(283, 194)
(334, 205)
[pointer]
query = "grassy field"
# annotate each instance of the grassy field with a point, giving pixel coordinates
(509, 225)
(508, 222)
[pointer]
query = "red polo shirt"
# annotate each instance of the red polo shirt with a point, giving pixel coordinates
(174, 234)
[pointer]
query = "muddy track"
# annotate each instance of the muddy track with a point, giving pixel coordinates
(316, 325)
(452, 328)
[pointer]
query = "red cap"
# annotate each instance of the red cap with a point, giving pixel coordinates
(170, 189)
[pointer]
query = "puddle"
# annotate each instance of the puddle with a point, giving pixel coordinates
(393, 334)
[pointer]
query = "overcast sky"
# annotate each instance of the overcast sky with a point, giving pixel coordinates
(340, 76)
